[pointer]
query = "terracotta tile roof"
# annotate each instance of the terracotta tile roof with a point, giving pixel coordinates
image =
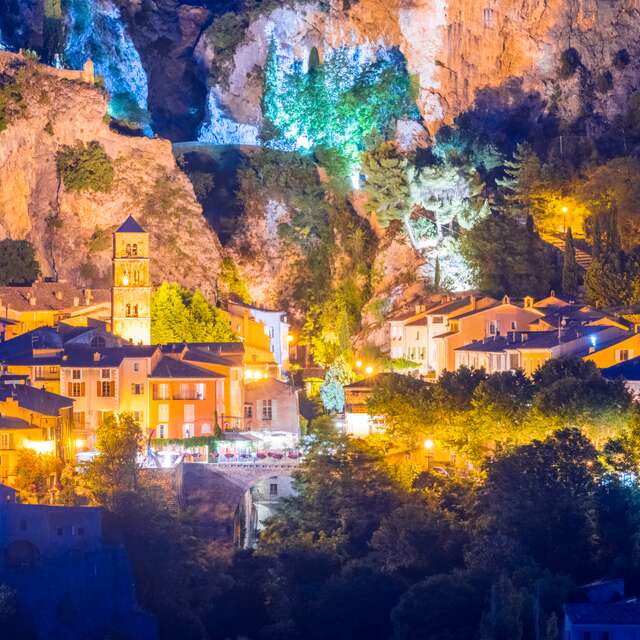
(34, 399)
(52, 296)
(169, 367)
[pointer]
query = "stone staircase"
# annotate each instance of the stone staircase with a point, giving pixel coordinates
(583, 258)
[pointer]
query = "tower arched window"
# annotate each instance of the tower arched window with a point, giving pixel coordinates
(134, 249)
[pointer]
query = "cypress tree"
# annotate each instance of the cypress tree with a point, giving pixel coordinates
(569, 267)
(436, 274)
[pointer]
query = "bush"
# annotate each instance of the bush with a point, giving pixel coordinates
(11, 103)
(604, 82)
(18, 264)
(85, 167)
(569, 61)
(621, 59)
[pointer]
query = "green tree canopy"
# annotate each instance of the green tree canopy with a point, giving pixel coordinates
(85, 167)
(177, 315)
(18, 264)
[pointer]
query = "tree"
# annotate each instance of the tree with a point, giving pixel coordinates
(506, 257)
(543, 496)
(177, 315)
(338, 375)
(34, 475)
(569, 267)
(85, 167)
(114, 471)
(387, 186)
(18, 264)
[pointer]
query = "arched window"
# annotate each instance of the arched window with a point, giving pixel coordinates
(134, 249)
(98, 342)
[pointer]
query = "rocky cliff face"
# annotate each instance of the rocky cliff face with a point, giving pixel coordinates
(71, 231)
(453, 47)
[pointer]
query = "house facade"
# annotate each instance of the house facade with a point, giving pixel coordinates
(271, 405)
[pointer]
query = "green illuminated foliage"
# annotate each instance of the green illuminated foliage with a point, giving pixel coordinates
(85, 167)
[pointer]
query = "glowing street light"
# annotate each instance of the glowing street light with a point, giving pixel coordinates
(369, 370)
(428, 444)
(564, 210)
(358, 364)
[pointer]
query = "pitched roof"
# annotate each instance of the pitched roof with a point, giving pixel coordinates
(629, 370)
(169, 367)
(616, 613)
(83, 356)
(130, 225)
(52, 296)
(199, 355)
(34, 399)
(221, 348)
(7, 423)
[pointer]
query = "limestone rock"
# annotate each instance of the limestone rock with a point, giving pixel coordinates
(71, 231)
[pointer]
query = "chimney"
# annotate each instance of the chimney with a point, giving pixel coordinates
(58, 295)
(506, 300)
(528, 302)
(473, 302)
(96, 356)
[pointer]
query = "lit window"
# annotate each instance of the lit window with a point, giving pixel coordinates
(76, 374)
(5, 440)
(623, 355)
(105, 374)
(161, 391)
(200, 391)
(187, 430)
(206, 428)
(163, 431)
(137, 389)
(248, 410)
(76, 389)
(106, 389)
(267, 410)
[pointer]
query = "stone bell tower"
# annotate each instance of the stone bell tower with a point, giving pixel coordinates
(131, 291)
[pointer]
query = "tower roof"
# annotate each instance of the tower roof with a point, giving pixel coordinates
(130, 225)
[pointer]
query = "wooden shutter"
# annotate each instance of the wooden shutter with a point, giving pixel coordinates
(99, 387)
(69, 389)
(82, 388)
(274, 411)
(112, 389)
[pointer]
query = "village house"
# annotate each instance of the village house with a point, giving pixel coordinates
(271, 404)
(49, 303)
(496, 319)
(529, 350)
(32, 418)
(627, 370)
(413, 333)
(185, 399)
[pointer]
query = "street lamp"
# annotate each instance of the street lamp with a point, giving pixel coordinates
(358, 364)
(428, 445)
(369, 370)
(565, 209)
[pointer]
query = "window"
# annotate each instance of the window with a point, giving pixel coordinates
(53, 370)
(514, 325)
(487, 15)
(131, 311)
(187, 430)
(5, 440)
(163, 413)
(267, 410)
(163, 431)
(132, 249)
(103, 415)
(493, 328)
(623, 354)
(189, 413)
(106, 389)
(78, 419)
(137, 388)
(161, 391)
(76, 389)
(417, 335)
(273, 489)
(138, 416)
(248, 410)
(200, 391)
(105, 374)
(136, 366)
(76, 374)
(184, 390)
(437, 320)
(206, 428)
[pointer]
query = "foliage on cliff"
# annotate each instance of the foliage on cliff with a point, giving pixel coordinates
(85, 167)
(18, 263)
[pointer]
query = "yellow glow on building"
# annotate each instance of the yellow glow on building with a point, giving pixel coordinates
(40, 446)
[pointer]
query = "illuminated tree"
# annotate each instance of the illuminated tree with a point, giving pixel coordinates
(387, 187)
(36, 475)
(338, 375)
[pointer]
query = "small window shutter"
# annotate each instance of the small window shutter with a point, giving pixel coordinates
(112, 389)
(99, 387)
(82, 389)
(274, 410)
(69, 388)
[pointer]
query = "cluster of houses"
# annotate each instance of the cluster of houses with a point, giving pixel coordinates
(477, 331)
(71, 357)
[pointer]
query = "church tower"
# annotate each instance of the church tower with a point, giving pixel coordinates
(131, 292)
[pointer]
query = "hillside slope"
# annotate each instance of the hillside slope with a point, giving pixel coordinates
(72, 231)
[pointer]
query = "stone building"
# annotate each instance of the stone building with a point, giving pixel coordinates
(131, 292)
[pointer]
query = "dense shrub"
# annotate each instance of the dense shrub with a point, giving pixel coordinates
(85, 167)
(569, 61)
(18, 264)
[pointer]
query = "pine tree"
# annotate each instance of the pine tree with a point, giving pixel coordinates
(569, 267)
(387, 186)
(436, 274)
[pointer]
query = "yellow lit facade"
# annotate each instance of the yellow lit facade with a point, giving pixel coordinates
(131, 292)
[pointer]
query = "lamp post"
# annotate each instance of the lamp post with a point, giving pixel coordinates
(565, 209)
(428, 446)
